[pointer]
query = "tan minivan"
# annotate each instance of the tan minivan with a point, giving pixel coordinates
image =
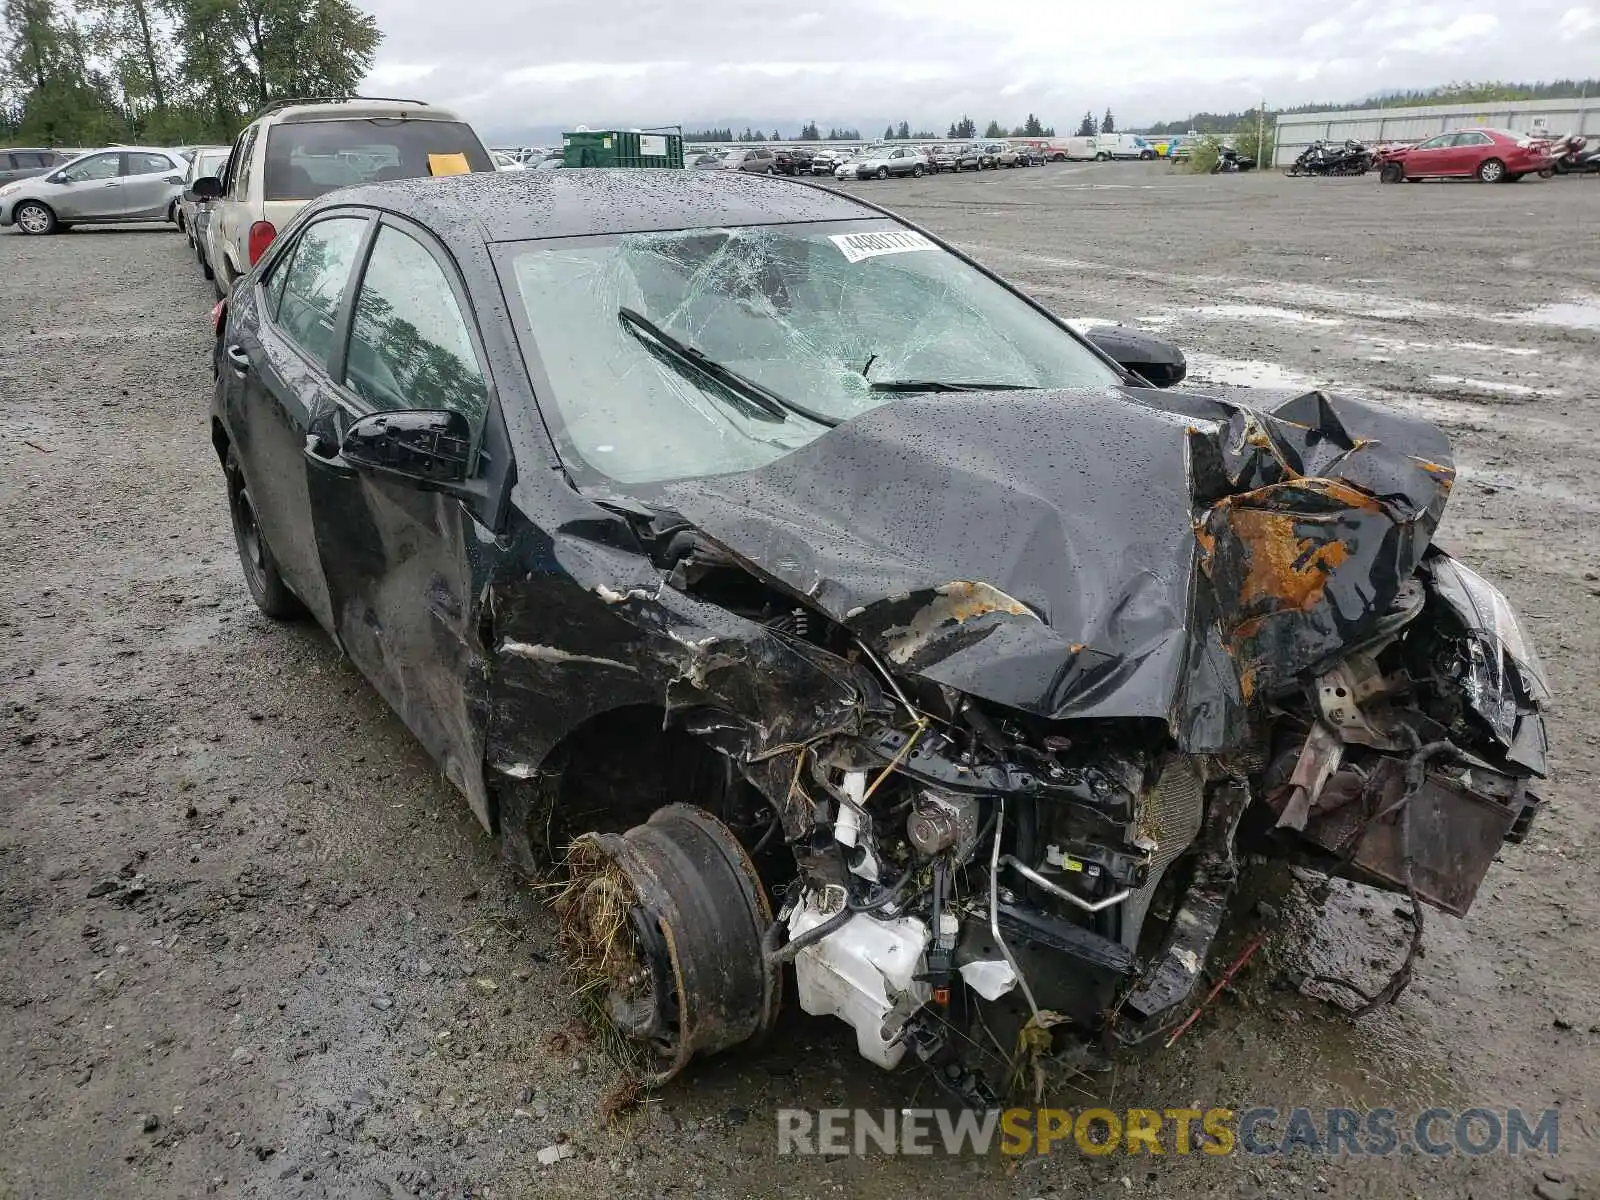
(296, 151)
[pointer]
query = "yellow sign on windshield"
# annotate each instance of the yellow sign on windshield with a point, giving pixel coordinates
(448, 164)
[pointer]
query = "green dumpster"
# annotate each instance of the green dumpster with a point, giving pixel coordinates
(620, 148)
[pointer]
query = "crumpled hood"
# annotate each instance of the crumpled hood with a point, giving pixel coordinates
(1097, 553)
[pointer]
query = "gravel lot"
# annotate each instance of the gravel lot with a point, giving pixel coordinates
(251, 944)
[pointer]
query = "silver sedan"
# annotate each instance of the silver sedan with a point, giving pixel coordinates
(128, 183)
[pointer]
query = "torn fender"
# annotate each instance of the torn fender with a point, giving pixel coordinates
(592, 632)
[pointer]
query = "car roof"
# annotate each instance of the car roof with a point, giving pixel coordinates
(355, 110)
(512, 206)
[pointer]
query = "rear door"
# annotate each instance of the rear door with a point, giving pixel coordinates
(404, 563)
(150, 182)
(276, 376)
(1469, 150)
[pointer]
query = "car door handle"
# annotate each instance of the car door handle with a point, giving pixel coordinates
(239, 358)
(113, 183)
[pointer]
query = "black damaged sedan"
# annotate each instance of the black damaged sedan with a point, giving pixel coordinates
(844, 625)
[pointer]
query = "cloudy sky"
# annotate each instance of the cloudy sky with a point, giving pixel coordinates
(511, 66)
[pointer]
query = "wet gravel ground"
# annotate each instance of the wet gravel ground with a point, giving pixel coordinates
(252, 945)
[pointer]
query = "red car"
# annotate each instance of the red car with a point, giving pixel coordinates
(1489, 155)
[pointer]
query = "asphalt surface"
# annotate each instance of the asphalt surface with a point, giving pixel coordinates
(251, 944)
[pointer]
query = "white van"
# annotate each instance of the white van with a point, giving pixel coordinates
(1122, 145)
(1080, 149)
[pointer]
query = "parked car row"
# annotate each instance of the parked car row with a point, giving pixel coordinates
(879, 161)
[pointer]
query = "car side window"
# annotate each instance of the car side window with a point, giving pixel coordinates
(241, 164)
(98, 166)
(1437, 143)
(140, 163)
(409, 343)
(1473, 139)
(312, 283)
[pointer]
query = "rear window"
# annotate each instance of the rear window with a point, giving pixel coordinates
(308, 159)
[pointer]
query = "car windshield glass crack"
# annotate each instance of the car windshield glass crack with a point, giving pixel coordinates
(793, 310)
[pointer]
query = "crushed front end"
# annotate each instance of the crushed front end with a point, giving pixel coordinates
(1030, 818)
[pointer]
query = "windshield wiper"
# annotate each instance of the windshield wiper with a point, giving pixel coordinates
(757, 394)
(945, 385)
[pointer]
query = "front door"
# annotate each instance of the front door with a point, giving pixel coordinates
(150, 181)
(405, 564)
(1432, 157)
(276, 384)
(91, 188)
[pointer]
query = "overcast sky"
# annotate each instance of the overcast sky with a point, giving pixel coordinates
(509, 66)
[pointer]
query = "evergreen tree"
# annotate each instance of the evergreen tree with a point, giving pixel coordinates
(904, 132)
(1108, 125)
(1087, 127)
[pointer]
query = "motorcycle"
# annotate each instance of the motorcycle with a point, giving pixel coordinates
(1229, 160)
(1320, 158)
(1572, 155)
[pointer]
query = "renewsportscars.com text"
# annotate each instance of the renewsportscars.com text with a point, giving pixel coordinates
(1373, 1132)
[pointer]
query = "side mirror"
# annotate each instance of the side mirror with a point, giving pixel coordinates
(207, 187)
(1158, 363)
(429, 447)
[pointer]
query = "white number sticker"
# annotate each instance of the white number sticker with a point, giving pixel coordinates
(857, 246)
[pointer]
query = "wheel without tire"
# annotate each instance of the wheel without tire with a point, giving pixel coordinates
(267, 588)
(33, 217)
(668, 918)
(1391, 173)
(1491, 170)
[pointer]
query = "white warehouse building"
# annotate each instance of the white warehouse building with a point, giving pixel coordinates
(1296, 131)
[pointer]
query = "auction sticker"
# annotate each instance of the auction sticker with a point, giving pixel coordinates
(857, 246)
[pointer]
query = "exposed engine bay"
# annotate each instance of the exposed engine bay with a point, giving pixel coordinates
(1005, 777)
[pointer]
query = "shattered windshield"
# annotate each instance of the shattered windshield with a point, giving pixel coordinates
(823, 322)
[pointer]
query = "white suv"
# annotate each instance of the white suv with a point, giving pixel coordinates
(298, 150)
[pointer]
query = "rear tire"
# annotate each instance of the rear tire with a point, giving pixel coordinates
(1391, 173)
(916, 171)
(267, 588)
(1491, 170)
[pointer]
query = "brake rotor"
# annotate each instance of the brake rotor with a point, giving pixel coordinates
(683, 967)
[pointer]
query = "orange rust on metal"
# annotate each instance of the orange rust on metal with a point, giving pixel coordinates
(1284, 568)
(1443, 475)
(1247, 682)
